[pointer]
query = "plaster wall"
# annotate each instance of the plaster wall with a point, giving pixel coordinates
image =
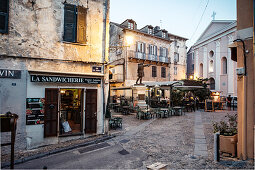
(36, 32)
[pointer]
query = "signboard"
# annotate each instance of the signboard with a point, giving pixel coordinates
(35, 111)
(96, 69)
(60, 79)
(13, 74)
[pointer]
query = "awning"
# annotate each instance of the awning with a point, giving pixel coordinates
(163, 83)
(121, 88)
(188, 88)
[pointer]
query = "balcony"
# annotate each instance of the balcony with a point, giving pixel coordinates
(147, 57)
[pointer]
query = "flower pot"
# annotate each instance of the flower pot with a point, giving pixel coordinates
(228, 144)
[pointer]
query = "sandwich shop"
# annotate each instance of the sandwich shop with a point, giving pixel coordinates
(62, 106)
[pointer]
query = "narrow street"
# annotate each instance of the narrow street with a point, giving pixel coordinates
(178, 141)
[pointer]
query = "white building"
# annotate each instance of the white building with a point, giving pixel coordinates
(213, 57)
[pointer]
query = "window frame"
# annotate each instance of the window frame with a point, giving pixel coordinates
(154, 71)
(77, 19)
(175, 70)
(163, 72)
(6, 18)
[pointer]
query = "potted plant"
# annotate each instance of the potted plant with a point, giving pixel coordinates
(228, 134)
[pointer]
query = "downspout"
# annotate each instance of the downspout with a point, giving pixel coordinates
(244, 115)
(105, 15)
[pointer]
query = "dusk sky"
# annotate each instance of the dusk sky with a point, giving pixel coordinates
(181, 17)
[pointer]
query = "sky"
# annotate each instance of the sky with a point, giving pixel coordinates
(186, 18)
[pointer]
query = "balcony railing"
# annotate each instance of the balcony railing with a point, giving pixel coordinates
(149, 57)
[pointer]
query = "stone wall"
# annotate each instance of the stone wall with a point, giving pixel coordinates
(36, 32)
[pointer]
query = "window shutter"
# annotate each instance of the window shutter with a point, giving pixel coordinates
(144, 47)
(166, 52)
(81, 24)
(161, 51)
(4, 14)
(70, 23)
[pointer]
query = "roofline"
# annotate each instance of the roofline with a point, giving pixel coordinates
(215, 21)
(139, 30)
(178, 36)
(228, 27)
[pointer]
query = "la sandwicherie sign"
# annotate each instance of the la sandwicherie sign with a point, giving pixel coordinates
(62, 79)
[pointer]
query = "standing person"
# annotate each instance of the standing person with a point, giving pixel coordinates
(229, 99)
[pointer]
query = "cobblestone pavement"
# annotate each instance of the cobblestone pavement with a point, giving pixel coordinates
(172, 141)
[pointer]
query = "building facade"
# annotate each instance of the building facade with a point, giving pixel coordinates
(52, 72)
(243, 53)
(161, 53)
(213, 57)
(190, 63)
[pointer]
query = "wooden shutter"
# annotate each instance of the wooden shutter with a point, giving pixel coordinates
(81, 24)
(70, 23)
(154, 71)
(51, 112)
(166, 52)
(4, 14)
(144, 47)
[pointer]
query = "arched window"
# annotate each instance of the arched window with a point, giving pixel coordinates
(211, 53)
(224, 66)
(201, 70)
(212, 83)
(211, 66)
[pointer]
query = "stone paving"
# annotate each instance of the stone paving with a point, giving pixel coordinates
(179, 141)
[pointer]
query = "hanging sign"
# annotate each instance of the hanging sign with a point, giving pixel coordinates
(60, 79)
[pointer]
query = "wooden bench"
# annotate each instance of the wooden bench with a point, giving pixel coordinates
(157, 166)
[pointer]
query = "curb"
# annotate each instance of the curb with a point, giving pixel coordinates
(40, 155)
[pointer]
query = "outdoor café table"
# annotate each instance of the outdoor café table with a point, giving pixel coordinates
(178, 110)
(165, 112)
(147, 113)
(125, 110)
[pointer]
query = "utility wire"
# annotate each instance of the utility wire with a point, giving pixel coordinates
(200, 20)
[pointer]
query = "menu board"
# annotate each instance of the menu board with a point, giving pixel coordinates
(35, 111)
(209, 106)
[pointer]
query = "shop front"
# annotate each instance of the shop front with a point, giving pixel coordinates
(61, 106)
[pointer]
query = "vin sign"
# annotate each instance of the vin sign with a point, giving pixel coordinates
(60, 79)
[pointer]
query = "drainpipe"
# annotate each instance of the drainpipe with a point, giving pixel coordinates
(244, 115)
(105, 15)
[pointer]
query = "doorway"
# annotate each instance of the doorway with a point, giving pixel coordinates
(91, 111)
(70, 118)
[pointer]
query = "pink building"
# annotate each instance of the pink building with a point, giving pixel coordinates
(213, 58)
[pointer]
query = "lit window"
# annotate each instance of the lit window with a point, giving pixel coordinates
(211, 66)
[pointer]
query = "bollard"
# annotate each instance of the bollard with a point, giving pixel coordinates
(217, 146)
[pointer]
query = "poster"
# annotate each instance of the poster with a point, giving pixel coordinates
(35, 111)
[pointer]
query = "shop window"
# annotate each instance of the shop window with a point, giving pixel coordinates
(4, 15)
(154, 71)
(74, 23)
(163, 72)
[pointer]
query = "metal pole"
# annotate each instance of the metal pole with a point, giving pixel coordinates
(217, 146)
